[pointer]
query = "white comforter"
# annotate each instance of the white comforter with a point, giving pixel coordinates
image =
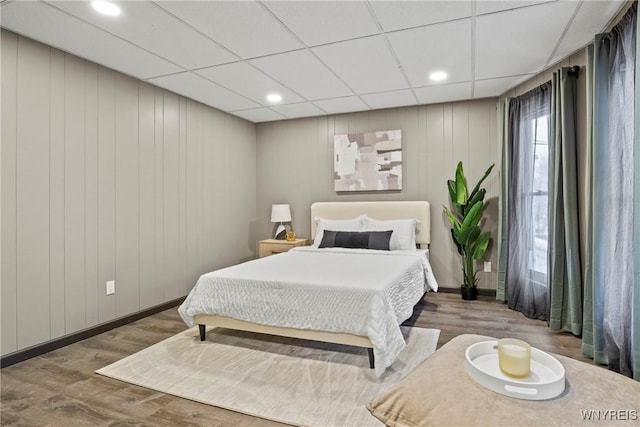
(361, 292)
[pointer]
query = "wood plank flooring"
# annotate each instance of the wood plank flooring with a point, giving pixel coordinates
(61, 389)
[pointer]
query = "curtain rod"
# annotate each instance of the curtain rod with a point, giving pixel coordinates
(574, 71)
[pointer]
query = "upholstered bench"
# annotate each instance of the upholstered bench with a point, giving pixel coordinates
(440, 392)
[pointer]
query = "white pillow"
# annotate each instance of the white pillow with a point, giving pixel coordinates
(322, 224)
(403, 237)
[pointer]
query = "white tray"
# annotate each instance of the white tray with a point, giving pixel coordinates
(545, 381)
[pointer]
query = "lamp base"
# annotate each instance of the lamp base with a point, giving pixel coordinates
(281, 232)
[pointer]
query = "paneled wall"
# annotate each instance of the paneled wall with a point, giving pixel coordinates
(295, 166)
(104, 177)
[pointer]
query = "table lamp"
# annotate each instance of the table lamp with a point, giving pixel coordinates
(280, 213)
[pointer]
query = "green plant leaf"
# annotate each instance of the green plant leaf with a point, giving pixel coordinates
(477, 197)
(461, 186)
(455, 240)
(469, 271)
(456, 234)
(481, 245)
(451, 185)
(473, 216)
(477, 187)
(452, 218)
(468, 236)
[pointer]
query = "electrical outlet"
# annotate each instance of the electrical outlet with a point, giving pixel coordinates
(111, 287)
(487, 266)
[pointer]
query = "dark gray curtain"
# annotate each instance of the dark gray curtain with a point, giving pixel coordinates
(634, 349)
(611, 307)
(502, 111)
(565, 281)
(593, 309)
(524, 292)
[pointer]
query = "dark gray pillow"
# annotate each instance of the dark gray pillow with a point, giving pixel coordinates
(356, 239)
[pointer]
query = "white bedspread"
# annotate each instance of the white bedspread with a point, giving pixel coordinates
(361, 292)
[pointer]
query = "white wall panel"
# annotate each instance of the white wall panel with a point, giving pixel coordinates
(126, 200)
(160, 277)
(56, 195)
(147, 197)
(182, 195)
(106, 178)
(32, 192)
(8, 214)
(214, 193)
(106, 191)
(242, 178)
(206, 129)
(193, 199)
(171, 198)
(91, 285)
(74, 191)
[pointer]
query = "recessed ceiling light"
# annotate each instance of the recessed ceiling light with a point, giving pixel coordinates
(274, 97)
(106, 8)
(438, 76)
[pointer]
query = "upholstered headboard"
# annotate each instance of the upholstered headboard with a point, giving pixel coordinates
(419, 210)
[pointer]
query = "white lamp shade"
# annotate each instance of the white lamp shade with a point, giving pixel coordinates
(280, 213)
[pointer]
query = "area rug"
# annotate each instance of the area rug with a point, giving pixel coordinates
(287, 380)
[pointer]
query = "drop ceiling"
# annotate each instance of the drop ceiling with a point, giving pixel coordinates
(322, 57)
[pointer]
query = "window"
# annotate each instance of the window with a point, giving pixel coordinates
(525, 254)
(539, 198)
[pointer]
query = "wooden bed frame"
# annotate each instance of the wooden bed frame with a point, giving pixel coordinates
(419, 210)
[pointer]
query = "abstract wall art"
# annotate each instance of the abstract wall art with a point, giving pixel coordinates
(369, 161)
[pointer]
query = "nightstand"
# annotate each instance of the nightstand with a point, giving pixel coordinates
(272, 246)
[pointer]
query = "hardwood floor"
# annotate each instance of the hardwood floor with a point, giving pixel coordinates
(61, 389)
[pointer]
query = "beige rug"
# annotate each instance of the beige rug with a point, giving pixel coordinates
(286, 380)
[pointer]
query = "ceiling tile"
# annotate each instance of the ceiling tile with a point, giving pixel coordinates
(444, 93)
(424, 50)
(310, 20)
(302, 109)
(492, 6)
(303, 73)
(497, 87)
(56, 28)
(342, 105)
(248, 81)
(244, 27)
(591, 19)
(397, 15)
(196, 87)
(519, 41)
(366, 64)
(154, 29)
(397, 98)
(258, 115)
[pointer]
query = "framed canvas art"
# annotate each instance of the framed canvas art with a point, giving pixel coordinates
(369, 161)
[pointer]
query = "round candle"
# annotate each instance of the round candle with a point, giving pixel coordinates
(514, 357)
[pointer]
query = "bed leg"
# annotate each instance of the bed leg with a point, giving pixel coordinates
(372, 363)
(203, 331)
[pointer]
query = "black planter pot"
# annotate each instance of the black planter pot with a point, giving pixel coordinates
(468, 293)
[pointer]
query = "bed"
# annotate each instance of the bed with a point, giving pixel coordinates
(356, 296)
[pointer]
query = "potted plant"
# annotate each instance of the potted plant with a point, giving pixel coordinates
(471, 242)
